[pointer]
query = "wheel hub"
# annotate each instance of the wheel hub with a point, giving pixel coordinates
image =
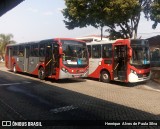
(105, 76)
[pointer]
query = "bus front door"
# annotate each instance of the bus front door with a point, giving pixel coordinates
(48, 60)
(120, 62)
(55, 58)
(26, 58)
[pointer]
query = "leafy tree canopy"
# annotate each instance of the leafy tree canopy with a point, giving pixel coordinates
(4, 41)
(120, 16)
(155, 13)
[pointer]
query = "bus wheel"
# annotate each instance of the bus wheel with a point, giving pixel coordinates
(41, 73)
(105, 77)
(14, 68)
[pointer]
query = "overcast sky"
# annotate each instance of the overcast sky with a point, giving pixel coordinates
(35, 20)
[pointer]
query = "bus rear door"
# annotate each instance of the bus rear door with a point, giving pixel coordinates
(48, 59)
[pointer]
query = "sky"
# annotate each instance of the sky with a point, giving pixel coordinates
(34, 20)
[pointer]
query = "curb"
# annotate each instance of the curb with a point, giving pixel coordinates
(157, 81)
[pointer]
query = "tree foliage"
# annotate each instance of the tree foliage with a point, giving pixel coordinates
(81, 13)
(155, 13)
(4, 41)
(120, 16)
(125, 15)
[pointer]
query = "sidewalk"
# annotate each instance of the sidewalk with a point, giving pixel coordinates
(157, 81)
(155, 74)
(2, 64)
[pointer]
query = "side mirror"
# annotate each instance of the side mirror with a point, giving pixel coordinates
(130, 52)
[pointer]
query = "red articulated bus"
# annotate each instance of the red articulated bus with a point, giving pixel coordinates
(122, 60)
(53, 58)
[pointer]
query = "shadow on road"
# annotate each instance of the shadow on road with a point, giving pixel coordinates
(40, 101)
(72, 80)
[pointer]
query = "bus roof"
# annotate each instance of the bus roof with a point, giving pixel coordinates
(102, 42)
(110, 41)
(46, 40)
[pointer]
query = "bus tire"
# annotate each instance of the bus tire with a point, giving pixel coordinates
(14, 68)
(105, 76)
(41, 73)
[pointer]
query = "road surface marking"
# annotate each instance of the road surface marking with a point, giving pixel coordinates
(63, 109)
(10, 84)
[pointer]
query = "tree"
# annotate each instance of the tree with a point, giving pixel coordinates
(4, 41)
(125, 15)
(120, 16)
(155, 13)
(82, 13)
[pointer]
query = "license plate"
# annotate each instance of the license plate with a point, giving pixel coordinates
(76, 76)
(144, 75)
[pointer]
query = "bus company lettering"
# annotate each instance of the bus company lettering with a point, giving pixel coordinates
(15, 123)
(34, 124)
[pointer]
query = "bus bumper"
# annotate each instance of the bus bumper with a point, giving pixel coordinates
(132, 78)
(63, 75)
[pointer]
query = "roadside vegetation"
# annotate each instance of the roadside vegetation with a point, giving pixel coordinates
(121, 17)
(5, 39)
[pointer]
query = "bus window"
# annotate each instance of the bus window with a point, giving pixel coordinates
(34, 50)
(42, 50)
(107, 51)
(89, 50)
(15, 50)
(27, 51)
(96, 51)
(21, 51)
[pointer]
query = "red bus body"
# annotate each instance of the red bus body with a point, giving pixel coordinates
(122, 60)
(53, 58)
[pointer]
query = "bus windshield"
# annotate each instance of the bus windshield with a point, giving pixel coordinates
(140, 53)
(74, 53)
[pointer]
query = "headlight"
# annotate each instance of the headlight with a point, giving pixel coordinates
(132, 71)
(64, 69)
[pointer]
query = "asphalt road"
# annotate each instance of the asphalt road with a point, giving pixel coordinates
(26, 98)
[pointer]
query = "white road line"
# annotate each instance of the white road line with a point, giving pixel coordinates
(150, 88)
(10, 84)
(63, 109)
(26, 82)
